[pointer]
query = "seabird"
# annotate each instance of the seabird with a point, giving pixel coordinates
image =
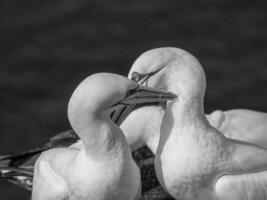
(194, 160)
(103, 168)
(149, 69)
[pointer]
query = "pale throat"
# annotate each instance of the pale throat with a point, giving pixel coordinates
(99, 134)
(190, 92)
(188, 106)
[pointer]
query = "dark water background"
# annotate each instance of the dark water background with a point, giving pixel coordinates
(48, 46)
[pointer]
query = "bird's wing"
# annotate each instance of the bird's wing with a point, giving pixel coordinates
(24, 159)
(242, 187)
(246, 119)
(246, 125)
(29, 158)
(244, 158)
(21, 177)
(241, 124)
(19, 168)
(216, 119)
(63, 139)
(11, 169)
(47, 184)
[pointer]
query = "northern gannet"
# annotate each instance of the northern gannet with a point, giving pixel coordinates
(103, 167)
(149, 69)
(195, 161)
(142, 126)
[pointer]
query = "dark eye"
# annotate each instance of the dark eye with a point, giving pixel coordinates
(136, 76)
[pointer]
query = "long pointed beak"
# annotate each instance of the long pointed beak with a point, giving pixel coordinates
(143, 94)
(139, 95)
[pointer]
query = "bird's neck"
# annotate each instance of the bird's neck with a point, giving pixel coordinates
(184, 114)
(101, 136)
(183, 119)
(187, 109)
(189, 84)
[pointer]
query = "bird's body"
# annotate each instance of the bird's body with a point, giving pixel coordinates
(102, 167)
(187, 163)
(249, 186)
(195, 161)
(142, 126)
(87, 178)
(241, 124)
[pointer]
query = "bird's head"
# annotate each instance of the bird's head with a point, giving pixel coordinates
(169, 68)
(106, 94)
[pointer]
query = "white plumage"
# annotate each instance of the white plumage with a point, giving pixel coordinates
(194, 160)
(142, 126)
(102, 168)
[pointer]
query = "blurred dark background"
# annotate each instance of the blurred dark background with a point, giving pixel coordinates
(48, 46)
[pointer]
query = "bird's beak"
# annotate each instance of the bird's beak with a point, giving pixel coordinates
(139, 95)
(142, 94)
(144, 79)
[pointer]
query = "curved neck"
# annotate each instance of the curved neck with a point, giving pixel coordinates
(187, 110)
(188, 82)
(98, 133)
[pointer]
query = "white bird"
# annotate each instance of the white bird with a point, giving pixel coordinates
(142, 126)
(103, 167)
(241, 124)
(194, 161)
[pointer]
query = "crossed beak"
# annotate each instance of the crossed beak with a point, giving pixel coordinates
(144, 79)
(137, 96)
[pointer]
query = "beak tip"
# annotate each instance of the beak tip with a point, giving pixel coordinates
(172, 95)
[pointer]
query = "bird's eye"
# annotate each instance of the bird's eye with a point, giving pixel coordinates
(136, 76)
